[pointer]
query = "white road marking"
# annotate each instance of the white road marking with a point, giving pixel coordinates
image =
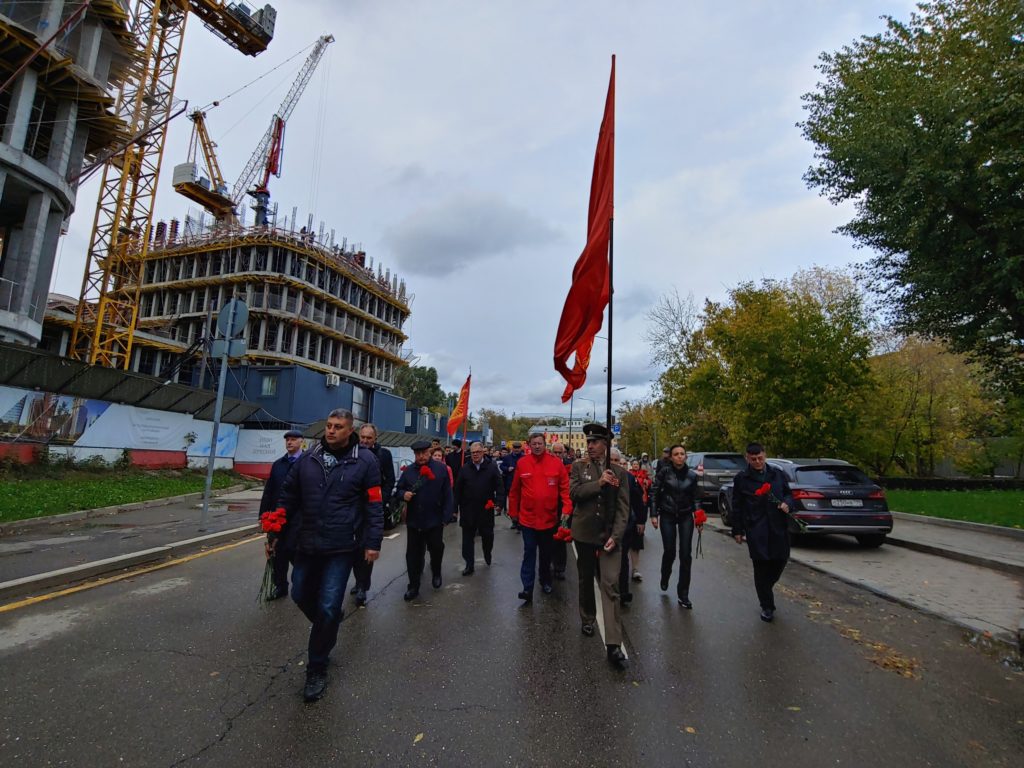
(392, 536)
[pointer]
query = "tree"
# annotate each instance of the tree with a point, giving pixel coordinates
(642, 428)
(418, 385)
(506, 428)
(920, 126)
(669, 325)
(776, 362)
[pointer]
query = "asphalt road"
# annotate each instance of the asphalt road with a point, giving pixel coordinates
(179, 666)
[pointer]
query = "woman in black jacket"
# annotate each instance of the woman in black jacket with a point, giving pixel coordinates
(675, 500)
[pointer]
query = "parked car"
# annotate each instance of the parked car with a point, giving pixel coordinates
(713, 471)
(829, 496)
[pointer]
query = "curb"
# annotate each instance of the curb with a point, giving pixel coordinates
(1013, 644)
(17, 526)
(64, 576)
(995, 530)
(1015, 569)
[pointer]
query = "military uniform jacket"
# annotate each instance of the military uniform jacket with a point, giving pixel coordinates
(598, 512)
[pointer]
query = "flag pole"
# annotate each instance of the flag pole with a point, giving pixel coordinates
(611, 301)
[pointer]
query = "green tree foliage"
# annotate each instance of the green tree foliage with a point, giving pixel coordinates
(785, 363)
(505, 427)
(920, 126)
(642, 428)
(418, 385)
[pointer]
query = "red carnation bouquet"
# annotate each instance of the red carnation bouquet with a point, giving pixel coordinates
(271, 523)
(489, 505)
(564, 532)
(766, 490)
(426, 474)
(699, 518)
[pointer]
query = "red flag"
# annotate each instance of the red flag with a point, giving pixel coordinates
(588, 294)
(460, 410)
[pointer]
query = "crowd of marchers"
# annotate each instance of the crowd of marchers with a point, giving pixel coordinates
(335, 496)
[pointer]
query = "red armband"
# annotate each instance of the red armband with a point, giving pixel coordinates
(374, 495)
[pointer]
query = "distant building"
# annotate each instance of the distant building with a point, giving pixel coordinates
(570, 433)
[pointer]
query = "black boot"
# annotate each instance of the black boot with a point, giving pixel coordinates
(316, 681)
(616, 657)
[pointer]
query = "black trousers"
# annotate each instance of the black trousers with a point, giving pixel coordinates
(281, 562)
(469, 534)
(559, 556)
(672, 528)
(766, 574)
(417, 544)
(363, 571)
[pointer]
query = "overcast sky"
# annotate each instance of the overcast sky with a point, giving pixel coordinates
(455, 142)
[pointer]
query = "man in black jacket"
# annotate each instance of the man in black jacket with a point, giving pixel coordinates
(427, 492)
(456, 459)
(268, 503)
(333, 494)
(363, 570)
(761, 500)
(479, 484)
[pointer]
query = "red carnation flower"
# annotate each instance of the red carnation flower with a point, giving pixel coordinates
(489, 504)
(699, 517)
(763, 490)
(426, 472)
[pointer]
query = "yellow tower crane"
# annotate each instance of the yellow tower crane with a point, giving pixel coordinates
(108, 305)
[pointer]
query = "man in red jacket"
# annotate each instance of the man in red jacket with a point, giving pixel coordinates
(540, 487)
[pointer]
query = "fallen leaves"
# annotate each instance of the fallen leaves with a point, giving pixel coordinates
(418, 739)
(688, 729)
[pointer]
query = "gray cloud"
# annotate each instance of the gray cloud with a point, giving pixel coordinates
(440, 238)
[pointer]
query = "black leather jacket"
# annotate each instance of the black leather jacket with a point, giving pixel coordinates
(675, 491)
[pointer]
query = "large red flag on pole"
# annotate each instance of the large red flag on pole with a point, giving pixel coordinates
(460, 410)
(589, 292)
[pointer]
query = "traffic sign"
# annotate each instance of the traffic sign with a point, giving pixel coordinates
(232, 318)
(616, 429)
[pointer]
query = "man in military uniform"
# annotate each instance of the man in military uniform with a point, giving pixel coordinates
(600, 497)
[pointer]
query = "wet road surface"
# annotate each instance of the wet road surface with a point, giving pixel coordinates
(180, 667)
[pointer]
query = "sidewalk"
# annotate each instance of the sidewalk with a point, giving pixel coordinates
(63, 551)
(972, 576)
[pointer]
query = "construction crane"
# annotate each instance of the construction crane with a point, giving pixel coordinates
(210, 191)
(108, 305)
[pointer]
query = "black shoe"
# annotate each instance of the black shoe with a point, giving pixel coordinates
(360, 597)
(469, 570)
(411, 594)
(526, 597)
(487, 557)
(767, 614)
(315, 684)
(685, 603)
(354, 589)
(588, 630)
(436, 581)
(616, 657)
(664, 583)
(547, 589)
(626, 599)
(560, 575)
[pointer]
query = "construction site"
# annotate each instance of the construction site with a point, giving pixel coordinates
(89, 91)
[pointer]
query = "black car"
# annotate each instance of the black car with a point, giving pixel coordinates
(830, 496)
(714, 469)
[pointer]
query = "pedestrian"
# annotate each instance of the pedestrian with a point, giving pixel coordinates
(761, 500)
(633, 539)
(636, 544)
(540, 488)
(268, 503)
(333, 492)
(456, 459)
(427, 491)
(645, 464)
(600, 502)
(478, 492)
(508, 471)
(363, 570)
(663, 461)
(560, 550)
(675, 500)
(437, 454)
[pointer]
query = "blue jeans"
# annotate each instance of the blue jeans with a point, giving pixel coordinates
(318, 588)
(532, 541)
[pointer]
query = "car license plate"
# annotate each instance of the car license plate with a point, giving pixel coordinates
(847, 503)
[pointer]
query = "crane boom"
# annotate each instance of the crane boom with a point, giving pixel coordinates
(259, 157)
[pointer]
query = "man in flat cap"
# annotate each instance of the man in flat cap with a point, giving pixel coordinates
(271, 493)
(425, 488)
(508, 471)
(599, 491)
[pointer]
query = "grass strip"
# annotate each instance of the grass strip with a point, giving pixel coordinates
(991, 507)
(28, 497)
